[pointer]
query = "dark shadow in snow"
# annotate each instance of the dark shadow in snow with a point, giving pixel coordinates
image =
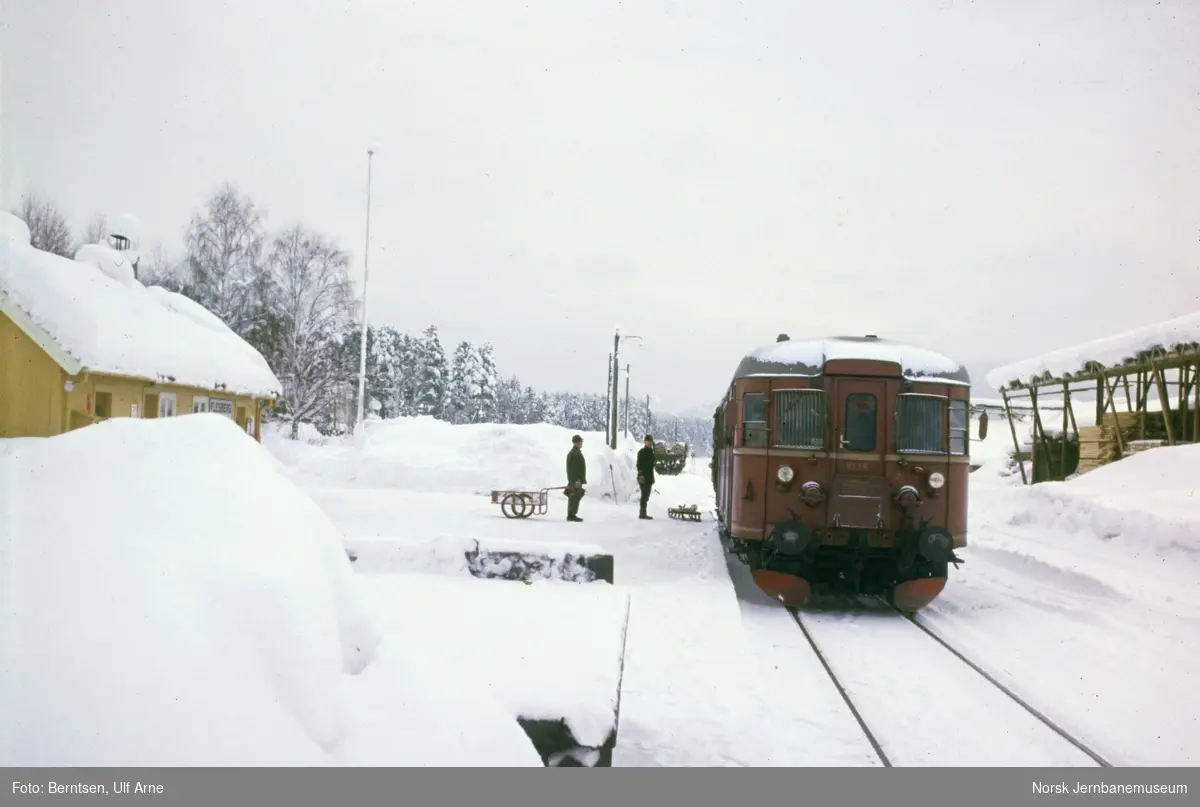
(749, 593)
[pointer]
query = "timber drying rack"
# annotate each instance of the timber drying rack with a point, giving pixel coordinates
(1138, 376)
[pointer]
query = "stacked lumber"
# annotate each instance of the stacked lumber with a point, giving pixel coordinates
(1098, 444)
(1137, 446)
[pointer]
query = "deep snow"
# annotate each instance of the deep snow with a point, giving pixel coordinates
(717, 676)
(214, 606)
(186, 604)
(1173, 335)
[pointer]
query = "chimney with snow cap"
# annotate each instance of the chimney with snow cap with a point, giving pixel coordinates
(125, 236)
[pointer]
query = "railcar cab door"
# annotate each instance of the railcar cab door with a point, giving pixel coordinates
(859, 497)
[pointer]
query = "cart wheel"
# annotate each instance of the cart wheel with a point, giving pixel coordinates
(508, 505)
(526, 506)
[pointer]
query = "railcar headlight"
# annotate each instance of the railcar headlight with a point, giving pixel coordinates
(785, 474)
(811, 494)
(936, 480)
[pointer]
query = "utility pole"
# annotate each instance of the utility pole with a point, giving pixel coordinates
(627, 401)
(649, 421)
(612, 440)
(362, 361)
(608, 401)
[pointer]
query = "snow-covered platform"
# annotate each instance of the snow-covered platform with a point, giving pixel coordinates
(552, 651)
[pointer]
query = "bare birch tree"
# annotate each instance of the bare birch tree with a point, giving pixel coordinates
(310, 303)
(48, 230)
(225, 259)
(96, 231)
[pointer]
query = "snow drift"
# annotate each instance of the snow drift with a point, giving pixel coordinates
(426, 454)
(171, 598)
(1134, 524)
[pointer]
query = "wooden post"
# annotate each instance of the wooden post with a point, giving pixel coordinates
(1099, 401)
(1185, 391)
(1117, 425)
(1071, 411)
(1039, 431)
(1196, 405)
(1161, 384)
(1016, 443)
(1128, 399)
(1062, 454)
(1143, 397)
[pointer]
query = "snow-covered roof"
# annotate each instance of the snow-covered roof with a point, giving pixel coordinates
(91, 314)
(808, 358)
(1162, 339)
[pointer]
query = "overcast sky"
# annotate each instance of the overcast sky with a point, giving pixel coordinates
(993, 179)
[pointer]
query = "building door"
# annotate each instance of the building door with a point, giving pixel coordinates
(166, 405)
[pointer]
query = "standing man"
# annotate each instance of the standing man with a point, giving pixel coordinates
(645, 470)
(576, 477)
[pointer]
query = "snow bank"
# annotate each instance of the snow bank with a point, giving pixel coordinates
(1143, 509)
(426, 454)
(171, 598)
(109, 323)
(548, 650)
(1179, 334)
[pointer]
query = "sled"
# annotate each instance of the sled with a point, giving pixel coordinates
(688, 512)
(524, 503)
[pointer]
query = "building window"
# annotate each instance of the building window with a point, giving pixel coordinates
(199, 404)
(960, 427)
(800, 418)
(754, 419)
(921, 423)
(166, 405)
(221, 406)
(860, 422)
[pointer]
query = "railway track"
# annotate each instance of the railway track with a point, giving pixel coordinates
(921, 702)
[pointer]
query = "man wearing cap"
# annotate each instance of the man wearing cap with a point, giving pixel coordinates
(645, 471)
(576, 478)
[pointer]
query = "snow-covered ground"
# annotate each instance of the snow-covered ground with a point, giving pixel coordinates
(224, 583)
(170, 598)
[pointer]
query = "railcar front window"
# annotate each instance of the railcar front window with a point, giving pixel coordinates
(921, 424)
(859, 429)
(960, 427)
(754, 419)
(800, 419)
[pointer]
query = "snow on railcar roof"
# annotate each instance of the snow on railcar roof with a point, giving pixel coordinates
(1178, 335)
(808, 357)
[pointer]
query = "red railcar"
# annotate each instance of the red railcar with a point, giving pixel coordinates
(841, 464)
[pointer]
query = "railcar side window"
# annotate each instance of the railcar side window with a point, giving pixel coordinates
(960, 427)
(754, 419)
(921, 423)
(859, 428)
(800, 419)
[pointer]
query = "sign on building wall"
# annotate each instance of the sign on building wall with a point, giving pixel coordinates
(133, 410)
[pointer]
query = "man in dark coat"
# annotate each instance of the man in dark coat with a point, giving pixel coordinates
(645, 471)
(576, 477)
